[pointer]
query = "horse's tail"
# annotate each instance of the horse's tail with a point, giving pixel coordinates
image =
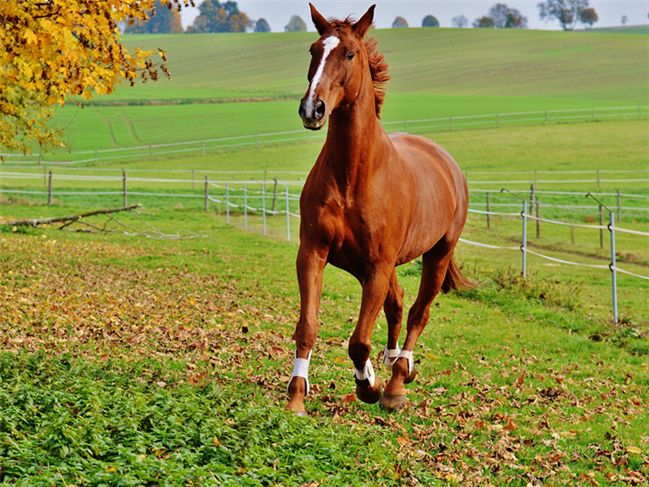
(454, 279)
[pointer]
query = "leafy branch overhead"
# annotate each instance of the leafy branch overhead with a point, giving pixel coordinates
(55, 49)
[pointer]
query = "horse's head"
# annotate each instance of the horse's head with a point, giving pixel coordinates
(339, 60)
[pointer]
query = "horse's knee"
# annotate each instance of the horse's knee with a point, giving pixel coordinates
(359, 353)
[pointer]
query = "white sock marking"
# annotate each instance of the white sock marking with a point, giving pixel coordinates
(330, 44)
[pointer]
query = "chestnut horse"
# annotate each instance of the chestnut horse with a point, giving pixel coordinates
(371, 202)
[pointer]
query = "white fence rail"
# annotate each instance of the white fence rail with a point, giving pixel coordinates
(438, 124)
(253, 198)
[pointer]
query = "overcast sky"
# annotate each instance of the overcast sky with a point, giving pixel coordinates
(277, 13)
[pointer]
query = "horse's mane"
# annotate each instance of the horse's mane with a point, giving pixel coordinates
(378, 65)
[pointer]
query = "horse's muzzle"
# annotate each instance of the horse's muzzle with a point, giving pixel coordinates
(312, 114)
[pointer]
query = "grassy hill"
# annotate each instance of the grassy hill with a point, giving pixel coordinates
(475, 62)
(435, 72)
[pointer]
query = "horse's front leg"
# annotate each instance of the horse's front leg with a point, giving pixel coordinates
(310, 266)
(375, 289)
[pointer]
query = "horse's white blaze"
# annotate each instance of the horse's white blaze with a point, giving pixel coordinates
(330, 44)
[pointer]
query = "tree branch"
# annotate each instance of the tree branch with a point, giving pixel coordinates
(70, 219)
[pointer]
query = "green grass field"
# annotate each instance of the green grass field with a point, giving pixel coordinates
(130, 360)
(153, 348)
(435, 73)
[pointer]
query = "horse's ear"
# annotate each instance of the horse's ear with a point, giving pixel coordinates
(321, 24)
(363, 25)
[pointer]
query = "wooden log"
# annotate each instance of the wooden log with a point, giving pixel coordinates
(71, 218)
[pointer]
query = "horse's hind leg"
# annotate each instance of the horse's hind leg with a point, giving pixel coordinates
(393, 308)
(435, 264)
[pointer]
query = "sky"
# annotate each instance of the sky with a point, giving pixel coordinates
(277, 13)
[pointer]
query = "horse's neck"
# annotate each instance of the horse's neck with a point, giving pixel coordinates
(354, 139)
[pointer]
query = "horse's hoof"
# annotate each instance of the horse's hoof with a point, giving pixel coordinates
(411, 376)
(369, 394)
(394, 402)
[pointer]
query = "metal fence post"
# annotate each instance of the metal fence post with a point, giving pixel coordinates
(227, 203)
(207, 195)
(124, 190)
(245, 208)
(263, 208)
(524, 242)
(288, 214)
(618, 200)
(49, 188)
(611, 228)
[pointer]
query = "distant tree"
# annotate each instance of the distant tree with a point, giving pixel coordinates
(624, 20)
(567, 12)
(430, 21)
(262, 26)
(295, 24)
(483, 22)
(215, 16)
(165, 19)
(589, 17)
(460, 21)
(400, 23)
(515, 20)
(505, 17)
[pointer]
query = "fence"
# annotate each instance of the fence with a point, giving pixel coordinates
(438, 124)
(612, 266)
(244, 199)
(557, 203)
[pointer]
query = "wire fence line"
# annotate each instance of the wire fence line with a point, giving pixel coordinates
(254, 199)
(525, 250)
(437, 124)
(628, 204)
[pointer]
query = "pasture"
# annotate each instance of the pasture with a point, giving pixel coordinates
(435, 73)
(158, 352)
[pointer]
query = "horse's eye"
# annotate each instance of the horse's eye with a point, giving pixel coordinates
(350, 55)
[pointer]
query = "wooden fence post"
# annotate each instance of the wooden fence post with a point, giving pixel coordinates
(207, 195)
(124, 190)
(538, 219)
(601, 230)
(274, 195)
(488, 211)
(49, 189)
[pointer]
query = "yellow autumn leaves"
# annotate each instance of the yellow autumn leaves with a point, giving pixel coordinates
(51, 51)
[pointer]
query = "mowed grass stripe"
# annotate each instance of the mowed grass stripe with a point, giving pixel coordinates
(467, 61)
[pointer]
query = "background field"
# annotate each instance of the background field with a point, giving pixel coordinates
(435, 73)
(154, 347)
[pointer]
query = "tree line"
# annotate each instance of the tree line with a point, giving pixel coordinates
(217, 16)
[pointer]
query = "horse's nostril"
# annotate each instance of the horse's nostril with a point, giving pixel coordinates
(319, 109)
(301, 110)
